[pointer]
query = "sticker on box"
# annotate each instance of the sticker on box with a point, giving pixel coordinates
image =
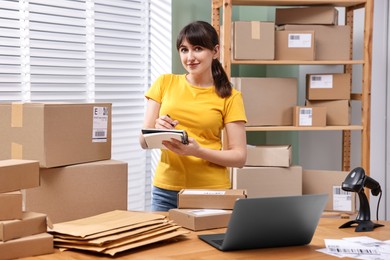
(299, 40)
(305, 116)
(321, 81)
(342, 200)
(100, 123)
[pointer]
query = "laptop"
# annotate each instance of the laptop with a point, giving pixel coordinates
(270, 222)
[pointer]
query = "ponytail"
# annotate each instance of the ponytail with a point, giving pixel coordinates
(223, 87)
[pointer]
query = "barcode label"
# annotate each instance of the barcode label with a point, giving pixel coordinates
(294, 37)
(316, 78)
(342, 200)
(299, 40)
(305, 116)
(339, 191)
(305, 111)
(358, 251)
(321, 81)
(100, 124)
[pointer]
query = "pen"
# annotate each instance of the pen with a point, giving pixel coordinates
(170, 117)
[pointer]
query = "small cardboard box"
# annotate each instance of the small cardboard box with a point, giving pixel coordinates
(268, 101)
(209, 199)
(200, 219)
(309, 116)
(326, 48)
(254, 40)
(31, 223)
(325, 15)
(295, 45)
(338, 112)
(55, 134)
(320, 181)
(80, 190)
(269, 155)
(11, 205)
(34, 245)
(328, 86)
(269, 181)
(18, 174)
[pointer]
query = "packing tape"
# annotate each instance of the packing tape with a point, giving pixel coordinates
(255, 27)
(16, 151)
(17, 115)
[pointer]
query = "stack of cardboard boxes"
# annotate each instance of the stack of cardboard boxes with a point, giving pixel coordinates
(22, 233)
(72, 143)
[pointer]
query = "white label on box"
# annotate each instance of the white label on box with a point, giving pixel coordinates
(305, 116)
(299, 40)
(201, 212)
(203, 192)
(321, 81)
(100, 123)
(342, 200)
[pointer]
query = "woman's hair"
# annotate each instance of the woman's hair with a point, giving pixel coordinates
(203, 34)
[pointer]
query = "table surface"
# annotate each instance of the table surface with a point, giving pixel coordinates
(191, 247)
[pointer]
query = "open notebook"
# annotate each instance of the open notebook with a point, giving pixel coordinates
(154, 137)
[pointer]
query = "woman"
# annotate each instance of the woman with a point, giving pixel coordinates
(202, 102)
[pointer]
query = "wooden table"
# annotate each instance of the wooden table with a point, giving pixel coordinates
(191, 247)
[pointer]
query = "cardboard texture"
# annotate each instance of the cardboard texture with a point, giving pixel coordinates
(34, 245)
(209, 199)
(18, 174)
(253, 40)
(269, 181)
(113, 232)
(328, 86)
(269, 155)
(320, 181)
(31, 223)
(326, 48)
(325, 15)
(268, 101)
(295, 45)
(81, 190)
(338, 112)
(309, 116)
(200, 219)
(55, 134)
(11, 205)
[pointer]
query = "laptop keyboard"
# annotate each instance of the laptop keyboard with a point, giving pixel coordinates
(218, 241)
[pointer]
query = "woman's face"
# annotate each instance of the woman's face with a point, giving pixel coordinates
(197, 60)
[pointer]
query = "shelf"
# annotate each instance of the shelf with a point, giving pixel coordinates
(303, 128)
(341, 3)
(296, 62)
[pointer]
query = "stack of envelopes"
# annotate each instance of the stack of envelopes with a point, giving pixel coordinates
(114, 231)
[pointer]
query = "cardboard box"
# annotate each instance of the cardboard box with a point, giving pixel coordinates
(325, 15)
(269, 181)
(39, 244)
(328, 86)
(81, 190)
(295, 45)
(200, 219)
(320, 181)
(18, 174)
(326, 48)
(254, 40)
(55, 134)
(269, 155)
(338, 112)
(208, 199)
(309, 116)
(31, 223)
(268, 101)
(11, 205)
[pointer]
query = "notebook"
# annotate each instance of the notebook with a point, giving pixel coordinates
(154, 137)
(270, 222)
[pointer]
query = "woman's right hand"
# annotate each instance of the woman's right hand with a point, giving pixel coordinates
(165, 122)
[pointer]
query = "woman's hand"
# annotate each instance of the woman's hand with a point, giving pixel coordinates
(165, 122)
(182, 149)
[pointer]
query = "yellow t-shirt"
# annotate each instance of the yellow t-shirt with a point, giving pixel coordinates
(203, 114)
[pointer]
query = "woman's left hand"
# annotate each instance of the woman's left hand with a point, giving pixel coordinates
(182, 149)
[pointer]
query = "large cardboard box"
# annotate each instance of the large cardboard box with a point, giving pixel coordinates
(79, 191)
(328, 86)
(11, 205)
(295, 45)
(254, 40)
(269, 181)
(325, 15)
(268, 101)
(269, 155)
(18, 174)
(31, 223)
(326, 48)
(208, 199)
(55, 134)
(200, 219)
(320, 181)
(309, 116)
(34, 245)
(338, 112)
